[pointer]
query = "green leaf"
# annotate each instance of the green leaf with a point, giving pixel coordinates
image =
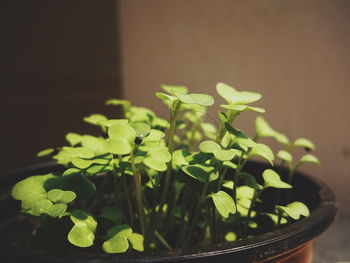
(200, 99)
(161, 154)
(95, 118)
(30, 186)
(115, 245)
(122, 131)
(242, 108)
(81, 236)
(116, 102)
(79, 216)
(59, 196)
(263, 129)
(209, 146)
(295, 210)
(136, 241)
(112, 213)
(229, 164)
(45, 152)
(250, 181)
(82, 163)
(262, 151)
(111, 122)
(224, 203)
(228, 184)
(225, 155)
(155, 164)
(178, 159)
(272, 179)
(171, 88)
(57, 210)
(239, 136)
(142, 129)
(233, 96)
(73, 138)
(202, 172)
(306, 143)
(230, 237)
(120, 231)
(245, 192)
(309, 158)
(274, 218)
(93, 143)
(117, 146)
(41, 206)
(285, 156)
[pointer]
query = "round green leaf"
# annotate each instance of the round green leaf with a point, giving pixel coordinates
(116, 102)
(209, 147)
(122, 131)
(59, 196)
(171, 88)
(263, 129)
(81, 236)
(73, 138)
(202, 172)
(111, 122)
(81, 217)
(136, 241)
(263, 151)
(117, 146)
(95, 118)
(231, 236)
(224, 203)
(160, 154)
(309, 158)
(120, 231)
(272, 179)
(306, 143)
(178, 159)
(57, 210)
(142, 129)
(245, 192)
(285, 156)
(155, 164)
(81, 163)
(235, 97)
(200, 99)
(295, 210)
(225, 155)
(41, 206)
(115, 245)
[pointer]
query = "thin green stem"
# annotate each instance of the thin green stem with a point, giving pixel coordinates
(138, 193)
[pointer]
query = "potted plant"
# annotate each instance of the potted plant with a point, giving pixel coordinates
(146, 189)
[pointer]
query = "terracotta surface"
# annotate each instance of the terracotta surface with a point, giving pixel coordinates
(302, 255)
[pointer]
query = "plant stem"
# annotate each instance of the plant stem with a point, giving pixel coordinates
(138, 193)
(162, 240)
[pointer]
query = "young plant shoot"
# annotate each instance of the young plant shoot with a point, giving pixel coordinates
(146, 183)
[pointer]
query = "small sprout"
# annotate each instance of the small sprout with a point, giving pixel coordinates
(272, 179)
(202, 172)
(233, 96)
(263, 129)
(309, 158)
(224, 203)
(95, 118)
(294, 210)
(263, 151)
(306, 143)
(73, 138)
(285, 156)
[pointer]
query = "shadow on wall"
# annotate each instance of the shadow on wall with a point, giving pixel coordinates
(59, 62)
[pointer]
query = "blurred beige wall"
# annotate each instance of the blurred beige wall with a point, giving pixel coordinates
(296, 53)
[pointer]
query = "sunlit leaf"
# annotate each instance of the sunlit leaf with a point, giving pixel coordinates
(171, 88)
(233, 96)
(263, 129)
(295, 210)
(200, 99)
(224, 203)
(263, 151)
(242, 108)
(272, 179)
(81, 236)
(57, 210)
(178, 159)
(73, 138)
(306, 143)
(250, 181)
(95, 118)
(142, 129)
(60, 196)
(136, 241)
(231, 236)
(117, 146)
(309, 158)
(285, 156)
(209, 146)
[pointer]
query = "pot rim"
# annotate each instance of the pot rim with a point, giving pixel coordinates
(288, 238)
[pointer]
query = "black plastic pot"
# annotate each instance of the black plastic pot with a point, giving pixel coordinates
(292, 243)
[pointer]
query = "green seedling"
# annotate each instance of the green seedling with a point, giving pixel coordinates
(146, 183)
